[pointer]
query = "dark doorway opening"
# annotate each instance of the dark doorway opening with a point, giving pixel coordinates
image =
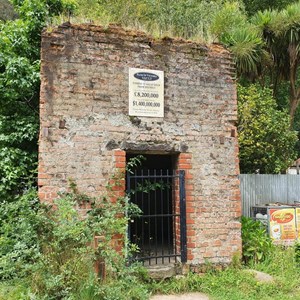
(155, 161)
(151, 188)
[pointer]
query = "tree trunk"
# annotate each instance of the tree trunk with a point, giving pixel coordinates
(294, 103)
(294, 91)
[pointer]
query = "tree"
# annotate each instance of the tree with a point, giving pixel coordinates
(19, 85)
(267, 144)
(281, 33)
(254, 6)
(265, 47)
(233, 29)
(19, 90)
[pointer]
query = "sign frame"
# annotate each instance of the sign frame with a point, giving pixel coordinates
(146, 93)
(282, 224)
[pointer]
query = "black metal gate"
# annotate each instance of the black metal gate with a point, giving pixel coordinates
(160, 231)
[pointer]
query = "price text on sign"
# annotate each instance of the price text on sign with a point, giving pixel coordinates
(146, 93)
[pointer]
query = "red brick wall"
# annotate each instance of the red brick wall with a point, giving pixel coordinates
(185, 163)
(86, 131)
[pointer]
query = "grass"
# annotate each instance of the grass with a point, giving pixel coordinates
(228, 285)
(233, 283)
(237, 284)
(13, 290)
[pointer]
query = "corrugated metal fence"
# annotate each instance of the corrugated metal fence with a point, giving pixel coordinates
(258, 189)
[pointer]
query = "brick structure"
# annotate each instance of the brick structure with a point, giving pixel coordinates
(86, 131)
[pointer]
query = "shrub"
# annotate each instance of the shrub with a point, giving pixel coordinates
(54, 246)
(65, 269)
(297, 252)
(19, 246)
(257, 245)
(266, 141)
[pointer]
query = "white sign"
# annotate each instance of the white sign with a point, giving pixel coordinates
(146, 93)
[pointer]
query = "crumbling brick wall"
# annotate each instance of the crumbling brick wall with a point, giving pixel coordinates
(86, 131)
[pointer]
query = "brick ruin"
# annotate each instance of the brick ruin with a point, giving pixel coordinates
(87, 134)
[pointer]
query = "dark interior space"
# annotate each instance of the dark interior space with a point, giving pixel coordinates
(153, 162)
(153, 230)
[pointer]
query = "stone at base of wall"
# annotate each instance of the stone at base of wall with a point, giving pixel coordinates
(204, 268)
(189, 296)
(159, 272)
(169, 270)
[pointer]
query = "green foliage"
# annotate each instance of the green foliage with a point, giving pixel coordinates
(233, 29)
(19, 80)
(161, 17)
(257, 245)
(229, 284)
(245, 44)
(19, 57)
(239, 284)
(264, 46)
(228, 19)
(19, 85)
(134, 162)
(254, 6)
(297, 252)
(68, 251)
(14, 290)
(130, 284)
(54, 247)
(280, 30)
(19, 225)
(281, 33)
(266, 142)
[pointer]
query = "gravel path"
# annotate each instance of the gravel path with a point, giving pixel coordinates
(189, 296)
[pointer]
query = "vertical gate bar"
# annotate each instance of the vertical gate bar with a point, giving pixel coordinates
(142, 219)
(136, 220)
(183, 239)
(174, 183)
(155, 218)
(162, 218)
(149, 223)
(128, 232)
(168, 212)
